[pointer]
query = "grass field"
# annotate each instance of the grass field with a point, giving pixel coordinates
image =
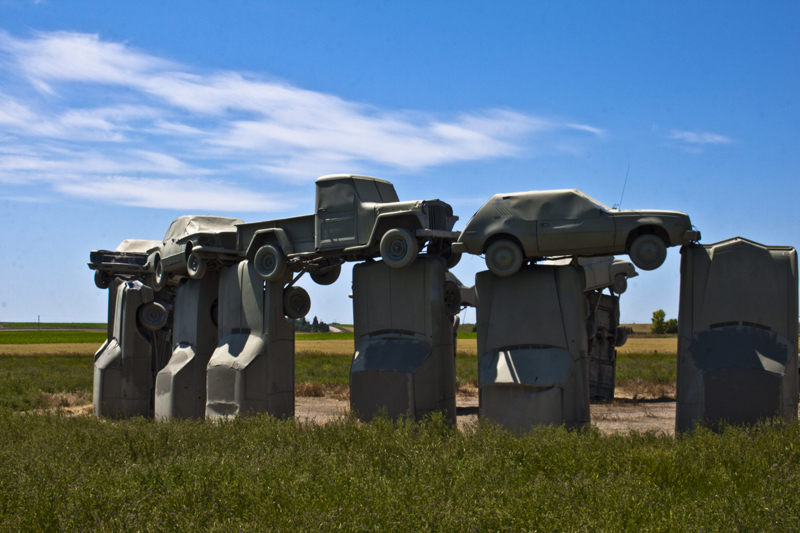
(258, 474)
(60, 325)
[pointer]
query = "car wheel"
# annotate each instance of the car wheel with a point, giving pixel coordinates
(620, 283)
(296, 302)
(102, 279)
(622, 337)
(452, 298)
(648, 252)
(504, 258)
(158, 273)
(196, 266)
(399, 248)
(328, 277)
(270, 262)
(152, 316)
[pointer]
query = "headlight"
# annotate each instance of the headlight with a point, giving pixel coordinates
(425, 207)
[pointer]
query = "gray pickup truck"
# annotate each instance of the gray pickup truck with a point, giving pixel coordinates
(357, 218)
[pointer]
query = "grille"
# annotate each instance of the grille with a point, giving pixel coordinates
(228, 240)
(437, 217)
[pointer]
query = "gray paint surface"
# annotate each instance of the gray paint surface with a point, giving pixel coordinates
(737, 333)
(123, 367)
(180, 390)
(567, 222)
(604, 310)
(532, 347)
(252, 368)
(403, 361)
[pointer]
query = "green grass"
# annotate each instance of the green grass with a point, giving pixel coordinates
(258, 474)
(76, 325)
(25, 380)
(51, 337)
(656, 368)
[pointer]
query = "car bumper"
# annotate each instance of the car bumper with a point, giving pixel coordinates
(691, 236)
(459, 247)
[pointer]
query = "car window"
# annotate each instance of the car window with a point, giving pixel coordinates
(597, 203)
(335, 196)
(367, 191)
(388, 194)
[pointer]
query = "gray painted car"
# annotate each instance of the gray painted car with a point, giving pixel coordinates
(195, 242)
(356, 218)
(512, 229)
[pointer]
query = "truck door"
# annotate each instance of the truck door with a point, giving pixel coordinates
(336, 220)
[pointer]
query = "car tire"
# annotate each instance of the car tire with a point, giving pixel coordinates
(621, 338)
(102, 279)
(152, 316)
(296, 302)
(620, 284)
(270, 262)
(328, 277)
(196, 266)
(452, 298)
(399, 248)
(648, 252)
(504, 258)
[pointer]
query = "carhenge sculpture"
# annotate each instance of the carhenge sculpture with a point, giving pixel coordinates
(198, 328)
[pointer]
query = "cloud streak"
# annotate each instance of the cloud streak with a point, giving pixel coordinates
(194, 134)
(698, 137)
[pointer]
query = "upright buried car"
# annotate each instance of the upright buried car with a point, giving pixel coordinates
(528, 226)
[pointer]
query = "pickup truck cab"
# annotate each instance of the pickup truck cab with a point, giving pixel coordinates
(356, 218)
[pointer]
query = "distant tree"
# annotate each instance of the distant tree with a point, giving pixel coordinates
(658, 324)
(315, 323)
(671, 326)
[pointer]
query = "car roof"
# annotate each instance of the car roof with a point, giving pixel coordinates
(189, 224)
(334, 177)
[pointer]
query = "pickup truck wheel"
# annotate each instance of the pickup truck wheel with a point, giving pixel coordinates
(196, 266)
(622, 337)
(328, 277)
(648, 252)
(504, 258)
(620, 283)
(452, 298)
(399, 248)
(152, 316)
(296, 302)
(102, 279)
(270, 262)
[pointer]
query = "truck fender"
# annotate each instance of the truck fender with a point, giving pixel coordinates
(269, 235)
(393, 220)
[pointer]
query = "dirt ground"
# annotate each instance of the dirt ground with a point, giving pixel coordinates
(623, 415)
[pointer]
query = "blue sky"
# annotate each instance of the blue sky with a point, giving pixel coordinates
(116, 118)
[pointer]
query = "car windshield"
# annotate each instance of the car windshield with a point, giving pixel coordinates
(600, 205)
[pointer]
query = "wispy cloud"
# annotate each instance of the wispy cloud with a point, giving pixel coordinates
(698, 137)
(194, 134)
